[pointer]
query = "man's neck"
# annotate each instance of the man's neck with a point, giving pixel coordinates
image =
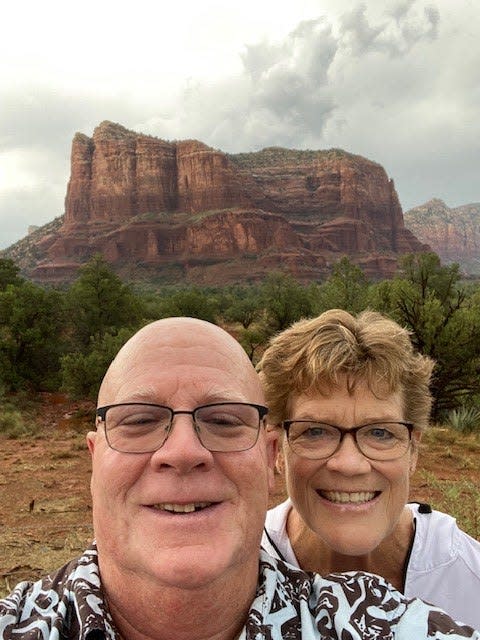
(145, 611)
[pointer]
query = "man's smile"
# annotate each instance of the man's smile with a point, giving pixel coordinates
(181, 508)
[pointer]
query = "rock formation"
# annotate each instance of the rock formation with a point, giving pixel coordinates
(453, 233)
(183, 210)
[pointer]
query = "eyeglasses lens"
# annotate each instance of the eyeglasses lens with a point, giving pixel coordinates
(378, 441)
(142, 428)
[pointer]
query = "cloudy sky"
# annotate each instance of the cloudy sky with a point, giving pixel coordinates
(397, 81)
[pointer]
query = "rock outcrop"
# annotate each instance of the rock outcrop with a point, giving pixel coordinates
(186, 211)
(453, 233)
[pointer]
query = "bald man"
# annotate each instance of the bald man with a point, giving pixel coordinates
(181, 470)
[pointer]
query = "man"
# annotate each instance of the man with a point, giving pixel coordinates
(181, 470)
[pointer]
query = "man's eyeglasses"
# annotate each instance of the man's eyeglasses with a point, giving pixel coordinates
(377, 441)
(143, 428)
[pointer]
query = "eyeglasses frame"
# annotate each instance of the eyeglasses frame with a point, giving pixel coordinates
(101, 413)
(286, 424)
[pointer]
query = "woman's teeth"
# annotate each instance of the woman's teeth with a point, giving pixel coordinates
(181, 508)
(343, 497)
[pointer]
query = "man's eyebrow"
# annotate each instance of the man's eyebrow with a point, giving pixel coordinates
(223, 394)
(150, 396)
(146, 395)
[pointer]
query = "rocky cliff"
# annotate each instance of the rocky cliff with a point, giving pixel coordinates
(184, 211)
(453, 233)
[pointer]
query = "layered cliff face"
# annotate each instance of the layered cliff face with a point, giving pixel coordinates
(144, 201)
(118, 174)
(453, 233)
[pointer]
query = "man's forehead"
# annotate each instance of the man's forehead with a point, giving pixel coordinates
(200, 355)
(178, 334)
(195, 351)
(190, 390)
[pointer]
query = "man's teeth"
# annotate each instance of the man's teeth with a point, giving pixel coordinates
(344, 497)
(182, 508)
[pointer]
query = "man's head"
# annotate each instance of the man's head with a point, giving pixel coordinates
(180, 515)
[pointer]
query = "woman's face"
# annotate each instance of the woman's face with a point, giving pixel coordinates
(352, 503)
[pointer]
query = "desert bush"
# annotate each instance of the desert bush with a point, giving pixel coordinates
(14, 425)
(82, 373)
(464, 419)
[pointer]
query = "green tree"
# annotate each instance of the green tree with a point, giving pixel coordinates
(243, 305)
(425, 271)
(428, 298)
(82, 373)
(347, 288)
(285, 300)
(254, 338)
(189, 301)
(31, 330)
(98, 302)
(9, 273)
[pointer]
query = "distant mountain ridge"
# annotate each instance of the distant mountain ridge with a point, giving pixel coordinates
(184, 212)
(453, 233)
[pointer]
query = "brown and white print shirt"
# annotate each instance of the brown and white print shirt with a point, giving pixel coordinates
(289, 605)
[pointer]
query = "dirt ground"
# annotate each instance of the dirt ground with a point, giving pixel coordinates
(45, 502)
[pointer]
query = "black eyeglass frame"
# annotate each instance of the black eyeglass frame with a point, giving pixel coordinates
(286, 424)
(101, 413)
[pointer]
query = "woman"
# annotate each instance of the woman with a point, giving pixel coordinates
(352, 397)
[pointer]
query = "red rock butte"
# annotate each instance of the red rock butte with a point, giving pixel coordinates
(182, 211)
(453, 233)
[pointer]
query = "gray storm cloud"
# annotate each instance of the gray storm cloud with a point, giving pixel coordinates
(398, 86)
(403, 27)
(291, 91)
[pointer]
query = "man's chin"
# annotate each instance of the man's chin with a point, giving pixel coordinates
(192, 567)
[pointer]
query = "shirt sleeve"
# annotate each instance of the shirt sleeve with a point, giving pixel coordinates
(362, 606)
(422, 620)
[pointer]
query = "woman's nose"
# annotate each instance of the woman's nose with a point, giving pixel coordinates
(348, 459)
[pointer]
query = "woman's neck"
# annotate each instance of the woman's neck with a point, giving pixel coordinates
(387, 559)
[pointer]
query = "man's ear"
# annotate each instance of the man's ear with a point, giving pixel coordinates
(91, 437)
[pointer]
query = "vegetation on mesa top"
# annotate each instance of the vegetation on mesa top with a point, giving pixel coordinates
(52, 339)
(274, 156)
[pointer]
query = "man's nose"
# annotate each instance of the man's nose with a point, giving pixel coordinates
(182, 450)
(348, 459)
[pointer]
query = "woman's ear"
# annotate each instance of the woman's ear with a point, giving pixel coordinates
(271, 437)
(280, 462)
(416, 438)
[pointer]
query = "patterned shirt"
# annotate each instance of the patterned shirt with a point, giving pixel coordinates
(289, 605)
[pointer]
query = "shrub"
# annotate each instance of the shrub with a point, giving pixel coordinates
(13, 424)
(464, 419)
(82, 373)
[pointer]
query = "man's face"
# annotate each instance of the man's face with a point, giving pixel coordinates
(141, 502)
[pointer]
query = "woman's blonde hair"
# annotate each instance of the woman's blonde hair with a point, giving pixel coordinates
(315, 352)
